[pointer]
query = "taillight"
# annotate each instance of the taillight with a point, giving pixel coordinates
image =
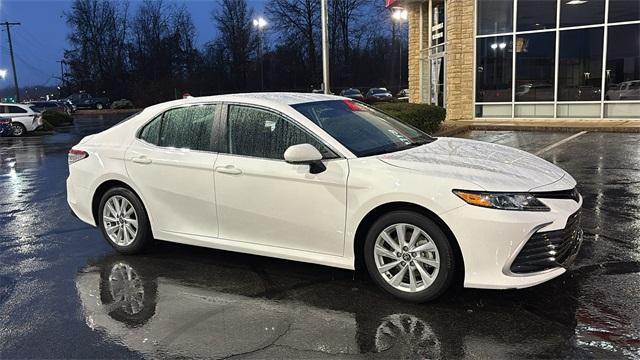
(77, 155)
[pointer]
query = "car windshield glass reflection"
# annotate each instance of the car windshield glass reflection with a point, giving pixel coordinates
(360, 128)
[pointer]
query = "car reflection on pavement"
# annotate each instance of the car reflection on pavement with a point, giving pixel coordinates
(163, 308)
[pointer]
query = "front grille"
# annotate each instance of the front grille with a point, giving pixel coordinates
(571, 194)
(549, 249)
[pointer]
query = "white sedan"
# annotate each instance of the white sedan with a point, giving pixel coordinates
(326, 180)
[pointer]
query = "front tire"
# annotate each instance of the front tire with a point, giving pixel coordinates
(409, 256)
(99, 106)
(123, 221)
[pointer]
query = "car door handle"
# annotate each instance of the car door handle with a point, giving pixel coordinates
(142, 160)
(229, 169)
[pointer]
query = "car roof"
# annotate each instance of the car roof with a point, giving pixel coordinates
(270, 99)
(13, 104)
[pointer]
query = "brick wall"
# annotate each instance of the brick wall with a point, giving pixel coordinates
(459, 61)
(460, 22)
(414, 47)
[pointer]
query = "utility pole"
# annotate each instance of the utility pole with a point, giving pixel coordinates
(325, 47)
(13, 63)
(62, 62)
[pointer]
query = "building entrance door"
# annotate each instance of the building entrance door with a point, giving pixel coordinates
(437, 53)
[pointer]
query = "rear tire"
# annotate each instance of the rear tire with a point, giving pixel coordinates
(123, 221)
(409, 256)
(18, 129)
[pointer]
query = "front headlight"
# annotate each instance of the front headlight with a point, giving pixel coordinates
(503, 201)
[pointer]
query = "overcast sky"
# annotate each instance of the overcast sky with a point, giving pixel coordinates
(41, 39)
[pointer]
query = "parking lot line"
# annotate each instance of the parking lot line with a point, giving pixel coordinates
(556, 144)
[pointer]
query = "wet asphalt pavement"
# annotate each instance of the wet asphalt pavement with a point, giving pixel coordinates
(62, 286)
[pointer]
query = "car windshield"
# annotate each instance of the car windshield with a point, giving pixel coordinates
(352, 92)
(362, 129)
(378, 91)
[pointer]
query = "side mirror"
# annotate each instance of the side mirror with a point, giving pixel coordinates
(305, 154)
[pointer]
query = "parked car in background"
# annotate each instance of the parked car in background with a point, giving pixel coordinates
(51, 106)
(85, 100)
(352, 93)
(71, 108)
(122, 104)
(346, 184)
(5, 127)
(378, 94)
(23, 118)
(403, 95)
(628, 90)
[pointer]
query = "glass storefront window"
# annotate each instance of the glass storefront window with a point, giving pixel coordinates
(494, 69)
(495, 16)
(624, 10)
(580, 65)
(581, 12)
(547, 61)
(536, 15)
(535, 69)
(623, 63)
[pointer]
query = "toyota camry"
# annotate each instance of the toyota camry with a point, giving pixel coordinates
(327, 180)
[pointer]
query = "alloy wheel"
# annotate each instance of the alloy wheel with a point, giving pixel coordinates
(406, 257)
(126, 288)
(120, 220)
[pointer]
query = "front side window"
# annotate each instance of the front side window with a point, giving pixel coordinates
(361, 129)
(185, 128)
(264, 134)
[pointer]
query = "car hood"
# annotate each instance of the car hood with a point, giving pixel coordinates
(491, 167)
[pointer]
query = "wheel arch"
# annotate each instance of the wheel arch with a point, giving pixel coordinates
(368, 220)
(110, 184)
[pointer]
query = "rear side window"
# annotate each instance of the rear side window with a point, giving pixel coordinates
(184, 128)
(151, 132)
(14, 110)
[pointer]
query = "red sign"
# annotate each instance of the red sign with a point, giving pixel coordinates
(389, 3)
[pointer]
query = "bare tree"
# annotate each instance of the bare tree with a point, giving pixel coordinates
(97, 57)
(233, 20)
(299, 21)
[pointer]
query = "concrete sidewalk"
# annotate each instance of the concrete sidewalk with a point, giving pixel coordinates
(569, 125)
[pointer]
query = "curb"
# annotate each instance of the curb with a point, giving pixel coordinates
(457, 129)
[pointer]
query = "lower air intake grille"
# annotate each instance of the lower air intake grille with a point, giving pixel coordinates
(549, 249)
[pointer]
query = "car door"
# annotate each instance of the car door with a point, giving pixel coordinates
(171, 162)
(264, 200)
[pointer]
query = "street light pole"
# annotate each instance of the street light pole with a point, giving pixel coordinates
(399, 15)
(325, 47)
(260, 23)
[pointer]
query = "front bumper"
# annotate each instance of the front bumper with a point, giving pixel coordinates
(490, 241)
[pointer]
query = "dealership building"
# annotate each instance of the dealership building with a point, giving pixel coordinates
(525, 59)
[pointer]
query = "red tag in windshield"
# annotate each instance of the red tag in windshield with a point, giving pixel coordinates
(352, 106)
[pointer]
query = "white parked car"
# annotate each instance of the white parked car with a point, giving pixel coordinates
(326, 180)
(23, 118)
